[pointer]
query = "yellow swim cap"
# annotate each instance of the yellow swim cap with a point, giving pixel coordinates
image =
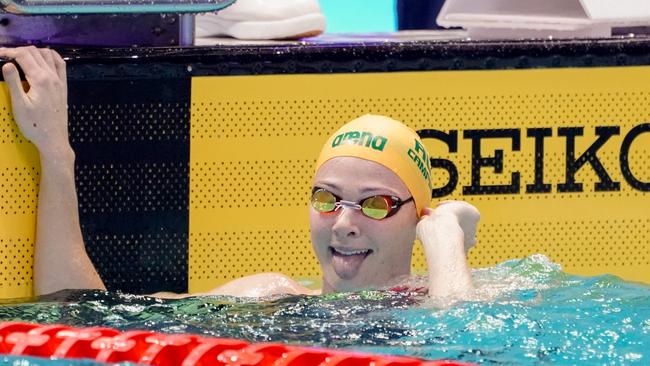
(389, 143)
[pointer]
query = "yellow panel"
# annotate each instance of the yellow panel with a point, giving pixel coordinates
(19, 170)
(254, 140)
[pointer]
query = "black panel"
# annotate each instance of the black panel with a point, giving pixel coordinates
(362, 55)
(131, 139)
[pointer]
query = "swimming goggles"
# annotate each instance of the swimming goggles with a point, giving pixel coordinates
(375, 207)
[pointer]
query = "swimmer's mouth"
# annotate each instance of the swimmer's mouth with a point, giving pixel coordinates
(349, 253)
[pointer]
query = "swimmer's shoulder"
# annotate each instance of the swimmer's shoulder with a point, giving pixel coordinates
(257, 285)
(261, 285)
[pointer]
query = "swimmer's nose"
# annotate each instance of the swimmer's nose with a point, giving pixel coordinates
(345, 225)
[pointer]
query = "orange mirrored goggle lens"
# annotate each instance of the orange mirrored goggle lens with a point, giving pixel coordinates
(323, 201)
(375, 207)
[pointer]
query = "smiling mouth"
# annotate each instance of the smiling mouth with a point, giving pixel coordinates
(347, 262)
(350, 253)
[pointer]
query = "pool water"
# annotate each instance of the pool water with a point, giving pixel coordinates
(528, 312)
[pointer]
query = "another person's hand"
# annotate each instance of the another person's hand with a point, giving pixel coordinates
(39, 106)
(462, 213)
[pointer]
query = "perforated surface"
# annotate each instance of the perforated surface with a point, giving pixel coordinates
(131, 142)
(19, 175)
(231, 253)
(251, 152)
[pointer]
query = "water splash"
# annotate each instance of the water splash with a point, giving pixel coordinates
(528, 312)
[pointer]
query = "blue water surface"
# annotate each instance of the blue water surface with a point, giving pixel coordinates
(527, 312)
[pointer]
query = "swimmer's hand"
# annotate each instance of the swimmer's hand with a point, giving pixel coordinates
(40, 105)
(466, 215)
(446, 233)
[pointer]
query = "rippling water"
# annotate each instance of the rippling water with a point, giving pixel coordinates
(529, 313)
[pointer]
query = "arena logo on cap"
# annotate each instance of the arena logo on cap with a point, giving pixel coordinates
(376, 142)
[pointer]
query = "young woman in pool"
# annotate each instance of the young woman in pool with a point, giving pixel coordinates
(369, 202)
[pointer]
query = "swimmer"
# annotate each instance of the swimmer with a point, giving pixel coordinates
(369, 202)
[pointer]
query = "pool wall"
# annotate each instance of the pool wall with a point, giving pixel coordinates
(194, 164)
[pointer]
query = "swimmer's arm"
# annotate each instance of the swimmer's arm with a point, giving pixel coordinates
(172, 295)
(257, 285)
(60, 259)
(446, 234)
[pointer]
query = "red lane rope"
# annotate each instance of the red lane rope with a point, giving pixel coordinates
(149, 348)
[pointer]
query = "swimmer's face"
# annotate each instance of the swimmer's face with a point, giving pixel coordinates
(384, 245)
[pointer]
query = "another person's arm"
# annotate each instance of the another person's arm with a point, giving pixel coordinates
(40, 111)
(447, 232)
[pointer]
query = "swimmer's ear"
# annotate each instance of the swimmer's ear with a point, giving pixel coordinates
(427, 211)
